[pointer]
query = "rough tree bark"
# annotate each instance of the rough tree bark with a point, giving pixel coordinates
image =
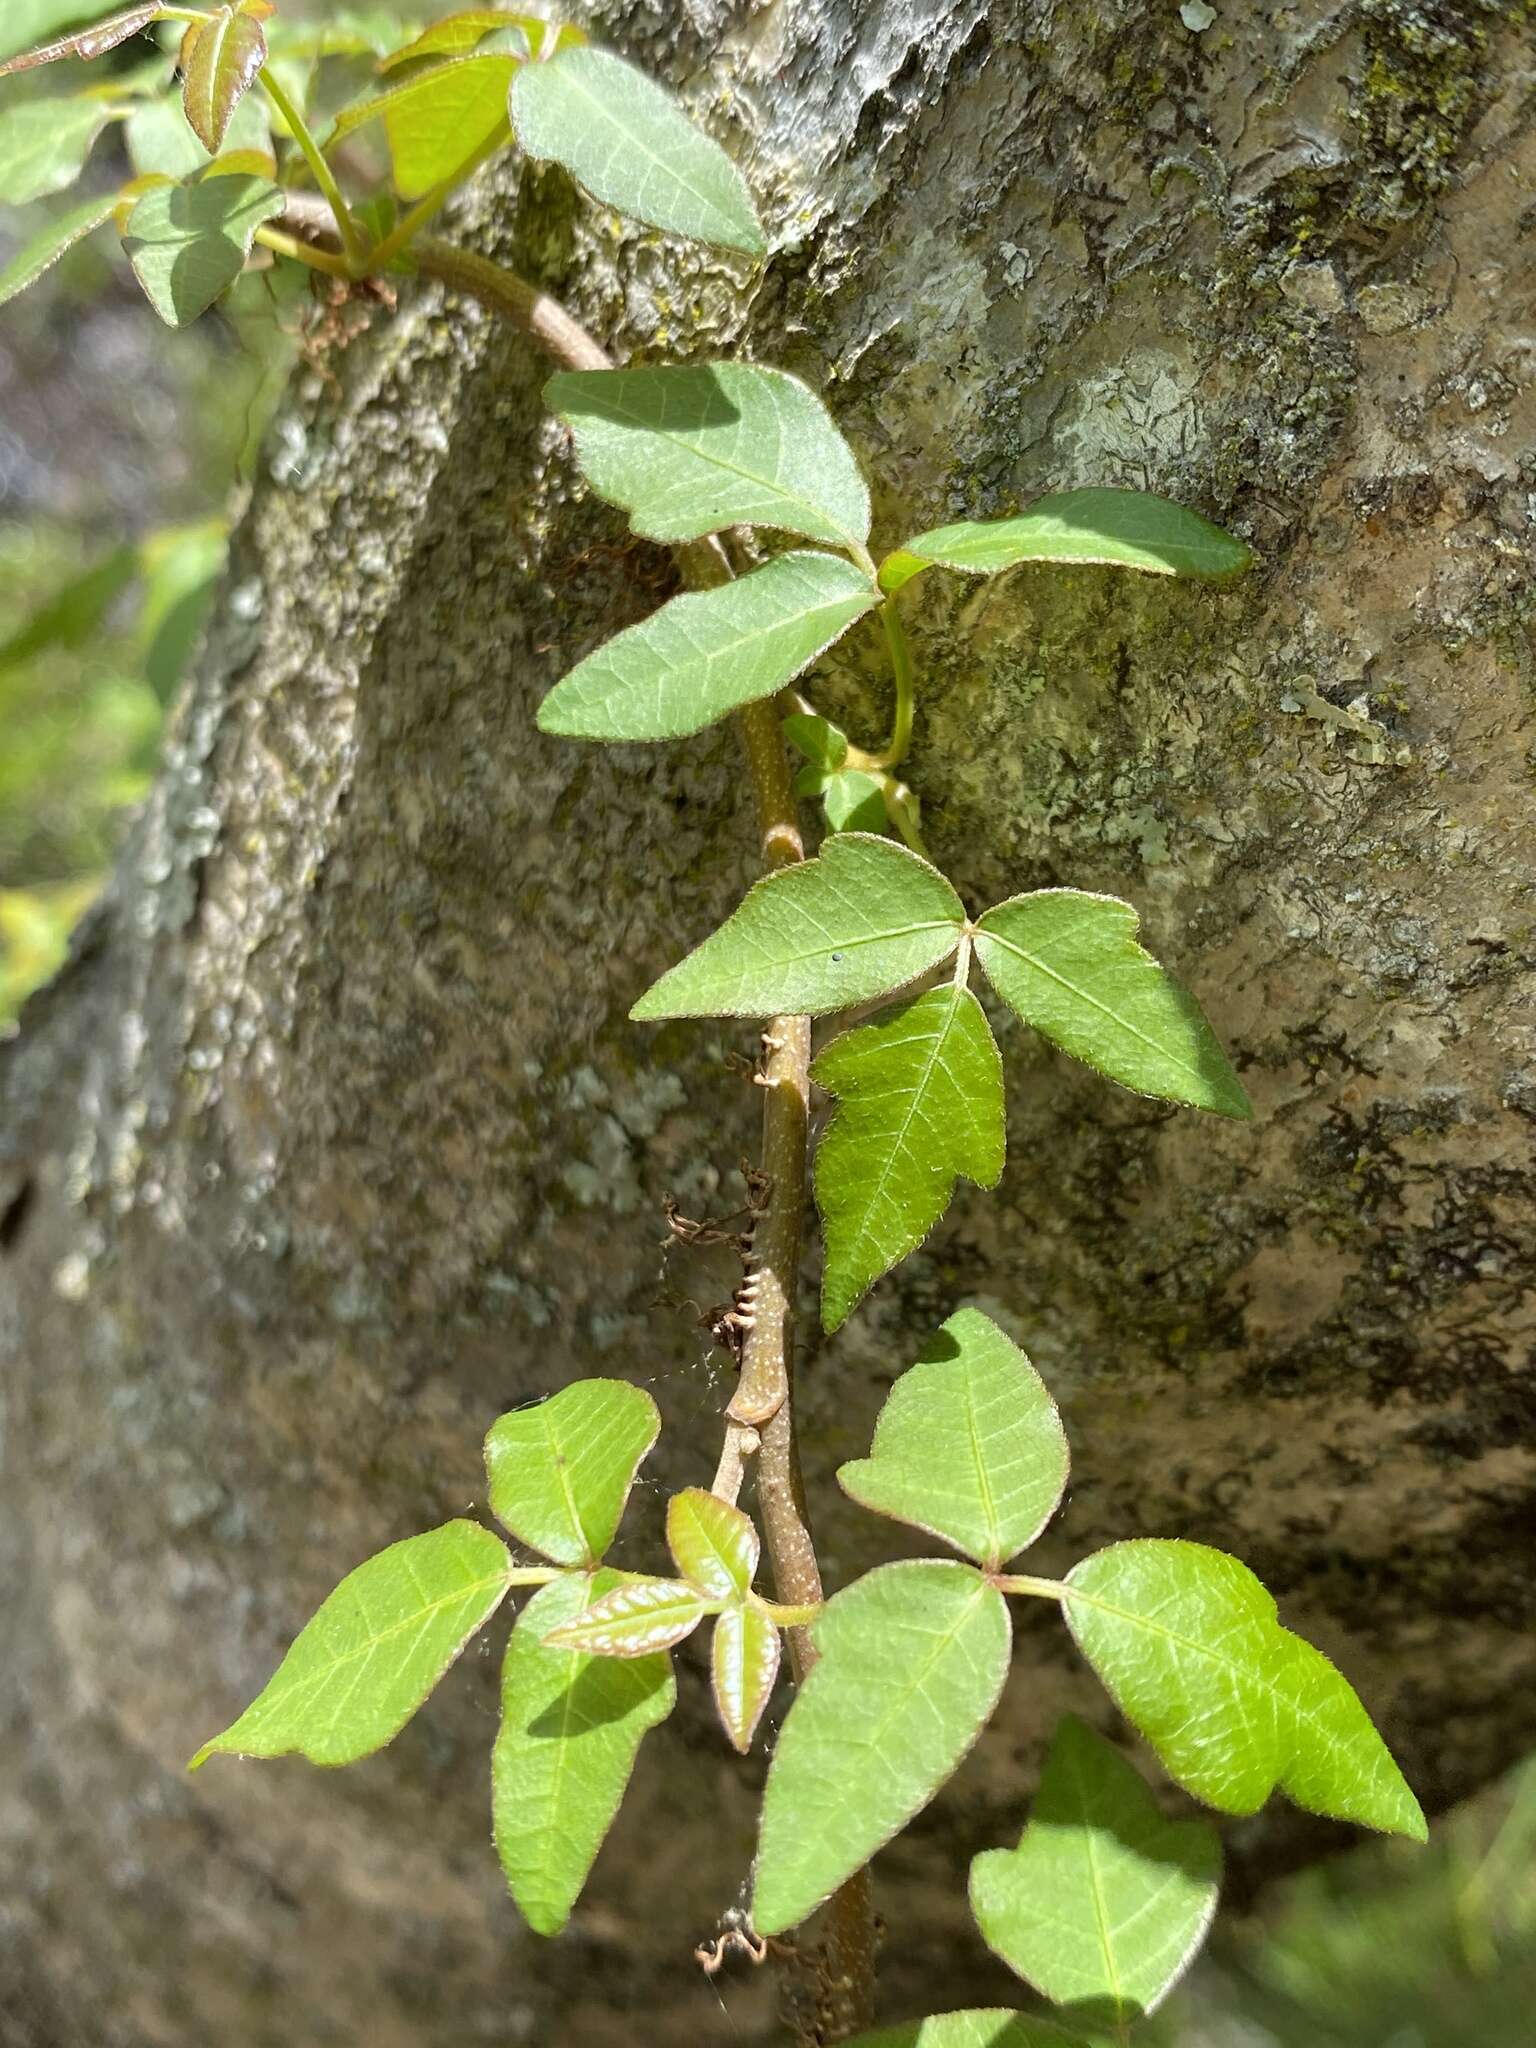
(332, 1139)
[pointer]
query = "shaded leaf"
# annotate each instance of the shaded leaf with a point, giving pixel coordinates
(188, 243)
(968, 1446)
(913, 1658)
(744, 1662)
(1120, 529)
(709, 652)
(160, 142)
(688, 449)
(1189, 1646)
(374, 1649)
(976, 2028)
(53, 241)
(861, 919)
(1104, 1902)
(713, 1544)
(44, 145)
(71, 615)
(436, 121)
(823, 744)
(638, 1617)
(85, 43)
(560, 1471)
(570, 1730)
(1068, 963)
(632, 146)
(854, 802)
(220, 58)
(919, 1103)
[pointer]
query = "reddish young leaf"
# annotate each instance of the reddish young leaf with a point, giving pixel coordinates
(219, 62)
(744, 1663)
(94, 41)
(713, 1544)
(635, 1619)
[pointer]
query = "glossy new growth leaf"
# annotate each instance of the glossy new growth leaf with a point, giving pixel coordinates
(980, 2027)
(457, 34)
(968, 1446)
(744, 1662)
(713, 1544)
(437, 120)
(709, 652)
(1190, 1647)
(632, 146)
(570, 1729)
(1120, 529)
(687, 450)
(560, 1471)
(374, 1649)
(637, 1618)
(861, 919)
(86, 43)
(919, 1103)
(188, 243)
(1068, 963)
(44, 145)
(913, 1658)
(52, 242)
(220, 58)
(1104, 1901)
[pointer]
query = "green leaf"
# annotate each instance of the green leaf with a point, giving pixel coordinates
(457, 34)
(632, 146)
(744, 1662)
(1120, 529)
(979, 2027)
(1068, 963)
(913, 1658)
(822, 743)
(691, 448)
(1104, 1902)
(709, 652)
(570, 1730)
(854, 802)
(713, 1544)
(160, 142)
(861, 919)
(53, 241)
(968, 1446)
(220, 58)
(85, 43)
(638, 1617)
(560, 1471)
(188, 243)
(920, 1102)
(1190, 1648)
(373, 1651)
(44, 145)
(72, 614)
(436, 121)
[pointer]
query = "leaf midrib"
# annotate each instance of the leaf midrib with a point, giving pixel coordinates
(986, 931)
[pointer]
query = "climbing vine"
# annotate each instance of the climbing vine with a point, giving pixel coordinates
(743, 472)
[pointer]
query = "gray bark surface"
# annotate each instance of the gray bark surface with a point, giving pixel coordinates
(332, 1140)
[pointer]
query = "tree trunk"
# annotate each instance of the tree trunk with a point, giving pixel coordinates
(333, 1140)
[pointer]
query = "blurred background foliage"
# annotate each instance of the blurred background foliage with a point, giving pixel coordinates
(124, 449)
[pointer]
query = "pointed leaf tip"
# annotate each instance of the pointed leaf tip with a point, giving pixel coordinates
(220, 58)
(561, 1470)
(639, 1617)
(85, 43)
(1108, 528)
(713, 1544)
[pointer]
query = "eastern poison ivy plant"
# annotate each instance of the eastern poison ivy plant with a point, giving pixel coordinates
(739, 467)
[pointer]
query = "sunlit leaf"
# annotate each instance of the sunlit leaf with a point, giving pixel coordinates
(1069, 964)
(374, 1649)
(744, 1662)
(53, 241)
(977, 2028)
(86, 43)
(913, 1658)
(1104, 1902)
(919, 1104)
(1189, 1645)
(688, 449)
(560, 1471)
(632, 146)
(44, 145)
(854, 802)
(436, 120)
(570, 1729)
(457, 34)
(1121, 529)
(713, 1544)
(188, 243)
(861, 919)
(72, 615)
(220, 58)
(709, 652)
(636, 1618)
(968, 1446)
